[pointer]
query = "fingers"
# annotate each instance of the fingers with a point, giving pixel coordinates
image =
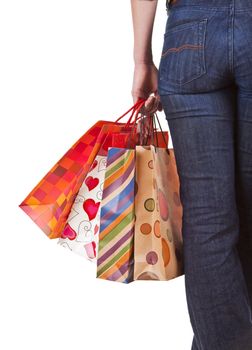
(159, 104)
(152, 104)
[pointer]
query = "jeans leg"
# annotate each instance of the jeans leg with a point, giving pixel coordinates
(244, 182)
(194, 344)
(202, 131)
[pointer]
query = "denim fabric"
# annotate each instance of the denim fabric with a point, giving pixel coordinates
(205, 86)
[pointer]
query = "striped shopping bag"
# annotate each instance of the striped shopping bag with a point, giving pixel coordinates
(115, 248)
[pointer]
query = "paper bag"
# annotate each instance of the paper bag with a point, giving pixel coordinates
(158, 213)
(115, 248)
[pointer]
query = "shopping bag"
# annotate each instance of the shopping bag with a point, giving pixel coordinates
(50, 202)
(80, 234)
(157, 233)
(115, 248)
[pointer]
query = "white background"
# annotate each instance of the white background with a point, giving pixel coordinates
(64, 65)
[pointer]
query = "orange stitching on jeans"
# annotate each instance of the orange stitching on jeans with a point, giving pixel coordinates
(176, 49)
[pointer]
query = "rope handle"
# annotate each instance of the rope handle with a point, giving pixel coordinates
(152, 131)
(134, 108)
(133, 129)
(135, 113)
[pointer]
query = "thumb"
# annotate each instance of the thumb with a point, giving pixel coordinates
(159, 107)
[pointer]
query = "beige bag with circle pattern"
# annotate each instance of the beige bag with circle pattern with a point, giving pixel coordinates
(158, 248)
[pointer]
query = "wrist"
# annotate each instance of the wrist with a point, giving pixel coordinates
(143, 61)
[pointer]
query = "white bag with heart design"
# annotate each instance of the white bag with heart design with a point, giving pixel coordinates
(81, 233)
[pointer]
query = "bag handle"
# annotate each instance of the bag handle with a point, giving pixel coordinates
(152, 131)
(166, 142)
(134, 126)
(134, 108)
(135, 113)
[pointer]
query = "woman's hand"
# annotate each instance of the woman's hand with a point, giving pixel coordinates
(145, 82)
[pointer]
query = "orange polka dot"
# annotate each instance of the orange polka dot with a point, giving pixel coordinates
(157, 229)
(145, 228)
(165, 252)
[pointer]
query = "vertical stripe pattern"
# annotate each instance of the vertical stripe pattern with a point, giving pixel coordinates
(116, 236)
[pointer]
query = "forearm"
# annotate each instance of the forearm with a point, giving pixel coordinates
(143, 15)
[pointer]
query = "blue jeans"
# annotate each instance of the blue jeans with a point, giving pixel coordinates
(205, 86)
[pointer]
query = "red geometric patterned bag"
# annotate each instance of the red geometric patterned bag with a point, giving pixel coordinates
(49, 203)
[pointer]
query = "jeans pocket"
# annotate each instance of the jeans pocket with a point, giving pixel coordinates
(183, 53)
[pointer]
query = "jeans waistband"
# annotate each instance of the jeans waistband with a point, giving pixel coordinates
(236, 4)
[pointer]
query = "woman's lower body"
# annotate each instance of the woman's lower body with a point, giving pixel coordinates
(205, 86)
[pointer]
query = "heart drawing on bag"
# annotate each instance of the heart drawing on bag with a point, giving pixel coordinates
(96, 229)
(91, 208)
(93, 165)
(69, 233)
(90, 249)
(91, 182)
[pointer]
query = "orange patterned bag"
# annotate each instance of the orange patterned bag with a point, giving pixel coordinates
(158, 244)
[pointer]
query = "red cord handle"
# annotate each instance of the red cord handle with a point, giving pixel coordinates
(136, 112)
(134, 108)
